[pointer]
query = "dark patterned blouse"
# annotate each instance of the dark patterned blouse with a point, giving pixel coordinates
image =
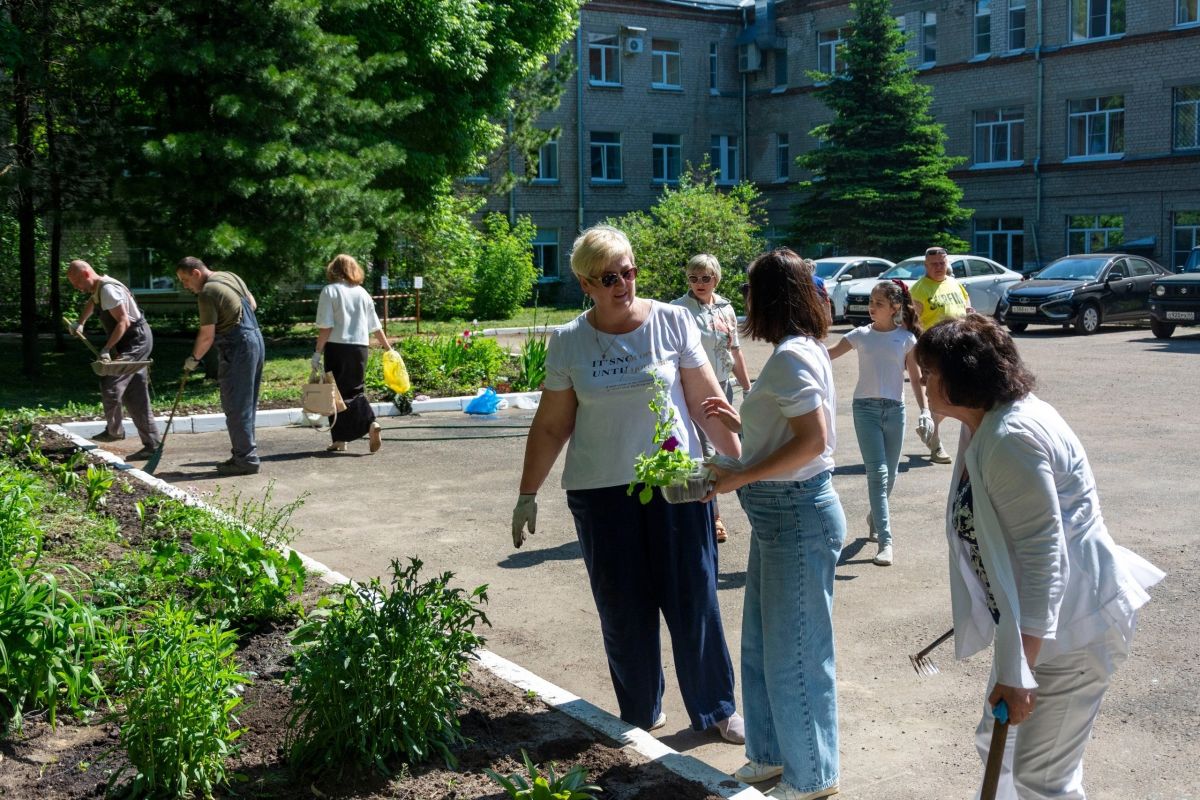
(963, 518)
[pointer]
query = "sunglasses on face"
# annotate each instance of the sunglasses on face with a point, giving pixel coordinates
(706, 279)
(609, 279)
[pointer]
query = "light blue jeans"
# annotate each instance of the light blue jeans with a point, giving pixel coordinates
(788, 691)
(879, 426)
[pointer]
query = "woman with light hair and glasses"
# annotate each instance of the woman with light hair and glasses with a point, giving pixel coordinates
(1033, 567)
(718, 324)
(642, 560)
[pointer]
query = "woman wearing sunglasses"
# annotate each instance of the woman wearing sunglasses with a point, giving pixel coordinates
(642, 560)
(717, 321)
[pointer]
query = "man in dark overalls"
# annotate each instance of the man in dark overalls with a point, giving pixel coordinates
(129, 338)
(227, 318)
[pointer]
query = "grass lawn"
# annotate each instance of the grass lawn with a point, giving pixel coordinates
(67, 388)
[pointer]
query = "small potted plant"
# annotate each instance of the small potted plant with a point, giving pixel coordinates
(681, 478)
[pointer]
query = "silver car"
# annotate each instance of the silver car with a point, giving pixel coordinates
(839, 271)
(984, 279)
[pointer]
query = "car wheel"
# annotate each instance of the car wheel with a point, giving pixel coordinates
(1162, 330)
(1018, 327)
(1087, 321)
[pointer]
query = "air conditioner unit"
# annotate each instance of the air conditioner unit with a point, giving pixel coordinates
(634, 45)
(749, 58)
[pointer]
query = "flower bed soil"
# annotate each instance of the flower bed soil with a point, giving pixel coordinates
(75, 759)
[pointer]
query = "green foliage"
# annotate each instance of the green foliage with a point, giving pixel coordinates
(379, 674)
(571, 786)
(179, 685)
(880, 181)
(668, 465)
(443, 366)
(50, 646)
(20, 535)
(533, 364)
(504, 273)
(697, 217)
(439, 243)
(98, 483)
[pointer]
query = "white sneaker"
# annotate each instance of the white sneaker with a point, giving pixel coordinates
(884, 557)
(732, 728)
(757, 772)
(939, 456)
(660, 721)
(785, 792)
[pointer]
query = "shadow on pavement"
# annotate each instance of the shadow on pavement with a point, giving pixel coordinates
(909, 462)
(522, 559)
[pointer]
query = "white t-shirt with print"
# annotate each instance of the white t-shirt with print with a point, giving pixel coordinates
(613, 386)
(881, 361)
(350, 311)
(718, 331)
(797, 379)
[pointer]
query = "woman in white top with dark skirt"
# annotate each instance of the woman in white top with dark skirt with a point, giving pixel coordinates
(1032, 564)
(346, 319)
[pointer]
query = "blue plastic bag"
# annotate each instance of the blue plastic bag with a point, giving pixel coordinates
(486, 403)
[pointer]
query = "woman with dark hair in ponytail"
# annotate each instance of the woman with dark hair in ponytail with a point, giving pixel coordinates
(885, 350)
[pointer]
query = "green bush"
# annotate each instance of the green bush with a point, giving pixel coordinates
(443, 366)
(504, 273)
(179, 685)
(379, 673)
(533, 364)
(441, 245)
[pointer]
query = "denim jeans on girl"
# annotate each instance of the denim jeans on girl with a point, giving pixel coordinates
(788, 693)
(879, 426)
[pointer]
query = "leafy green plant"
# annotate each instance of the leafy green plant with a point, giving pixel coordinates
(504, 271)
(98, 482)
(179, 685)
(668, 465)
(379, 673)
(50, 646)
(549, 786)
(533, 364)
(19, 532)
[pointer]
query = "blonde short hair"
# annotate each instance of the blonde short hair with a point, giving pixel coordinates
(704, 262)
(344, 269)
(596, 248)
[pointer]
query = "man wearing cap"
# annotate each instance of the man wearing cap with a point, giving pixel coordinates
(227, 319)
(130, 339)
(937, 296)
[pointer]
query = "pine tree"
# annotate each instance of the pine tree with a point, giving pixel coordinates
(880, 178)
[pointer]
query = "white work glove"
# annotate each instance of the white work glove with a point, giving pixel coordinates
(104, 356)
(525, 513)
(77, 329)
(316, 362)
(925, 427)
(190, 364)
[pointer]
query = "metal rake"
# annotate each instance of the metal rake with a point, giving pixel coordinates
(922, 663)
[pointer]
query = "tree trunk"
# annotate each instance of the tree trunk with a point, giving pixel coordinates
(26, 218)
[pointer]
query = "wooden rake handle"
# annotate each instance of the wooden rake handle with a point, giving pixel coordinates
(995, 757)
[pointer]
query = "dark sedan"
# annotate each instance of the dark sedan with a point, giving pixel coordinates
(1083, 292)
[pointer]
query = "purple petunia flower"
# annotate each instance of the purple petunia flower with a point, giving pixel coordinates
(670, 444)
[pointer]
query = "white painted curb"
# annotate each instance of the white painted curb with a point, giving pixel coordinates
(560, 699)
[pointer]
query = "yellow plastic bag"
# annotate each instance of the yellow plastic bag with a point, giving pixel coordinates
(395, 374)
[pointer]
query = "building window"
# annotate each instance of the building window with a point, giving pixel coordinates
(484, 175)
(604, 60)
(1094, 19)
(1000, 136)
(723, 154)
(1096, 126)
(1097, 233)
(545, 252)
(1016, 24)
(714, 63)
(983, 27)
(667, 155)
(547, 164)
(664, 64)
(148, 272)
(1185, 235)
(1189, 12)
(606, 157)
(1001, 239)
(902, 26)
(783, 159)
(1187, 118)
(781, 68)
(928, 37)
(829, 52)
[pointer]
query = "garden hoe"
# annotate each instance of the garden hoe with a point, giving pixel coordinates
(922, 663)
(152, 461)
(118, 366)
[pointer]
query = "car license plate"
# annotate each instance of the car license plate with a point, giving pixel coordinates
(856, 308)
(1188, 315)
(1023, 310)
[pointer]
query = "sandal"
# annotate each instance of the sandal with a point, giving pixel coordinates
(336, 447)
(722, 534)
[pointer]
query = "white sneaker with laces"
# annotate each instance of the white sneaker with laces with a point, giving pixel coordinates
(660, 721)
(757, 772)
(785, 792)
(884, 557)
(939, 456)
(732, 728)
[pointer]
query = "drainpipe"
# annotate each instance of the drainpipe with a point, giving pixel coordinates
(579, 123)
(512, 165)
(742, 151)
(1037, 160)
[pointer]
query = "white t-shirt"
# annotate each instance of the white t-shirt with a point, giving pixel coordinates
(718, 331)
(797, 379)
(881, 361)
(613, 386)
(350, 311)
(113, 295)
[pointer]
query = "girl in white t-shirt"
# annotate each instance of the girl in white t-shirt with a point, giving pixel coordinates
(885, 350)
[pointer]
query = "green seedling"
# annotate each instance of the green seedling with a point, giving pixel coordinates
(98, 483)
(548, 786)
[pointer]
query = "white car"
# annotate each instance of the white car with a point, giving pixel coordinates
(984, 279)
(839, 271)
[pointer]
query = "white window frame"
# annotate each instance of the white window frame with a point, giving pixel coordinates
(723, 151)
(484, 175)
(1187, 12)
(982, 29)
(1093, 12)
(607, 46)
(545, 242)
(783, 157)
(714, 65)
(1183, 109)
(781, 69)
(1095, 225)
(928, 44)
(605, 148)
(1015, 8)
(547, 167)
(828, 51)
(1008, 127)
(666, 157)
(1097, 120)
(662, 59)
(1190, 228)
(150, 264)
(1002, 239)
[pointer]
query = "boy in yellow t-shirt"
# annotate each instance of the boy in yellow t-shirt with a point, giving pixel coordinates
(938, 297)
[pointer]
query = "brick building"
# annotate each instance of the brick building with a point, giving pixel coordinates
(1079, 119)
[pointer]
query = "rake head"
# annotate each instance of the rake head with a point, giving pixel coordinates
(923, 665)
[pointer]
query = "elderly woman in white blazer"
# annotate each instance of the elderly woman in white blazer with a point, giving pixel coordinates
(1032, 564)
